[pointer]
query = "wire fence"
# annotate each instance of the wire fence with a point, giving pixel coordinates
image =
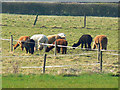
(98, 50)
(67, 46)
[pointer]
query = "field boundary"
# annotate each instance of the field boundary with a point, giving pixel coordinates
(66, 46)
(99, 55)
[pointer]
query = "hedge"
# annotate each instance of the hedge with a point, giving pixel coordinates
(68, 9)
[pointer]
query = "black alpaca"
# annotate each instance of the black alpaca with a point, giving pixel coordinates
(29, 45)
(84, 39)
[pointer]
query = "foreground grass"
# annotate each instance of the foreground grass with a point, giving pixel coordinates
(60, 81)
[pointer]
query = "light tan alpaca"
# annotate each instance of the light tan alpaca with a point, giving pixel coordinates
(102, 39)
(52, 38)
(22, 38)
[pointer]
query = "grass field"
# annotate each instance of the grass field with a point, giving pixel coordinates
(20, 25)
(61, 81)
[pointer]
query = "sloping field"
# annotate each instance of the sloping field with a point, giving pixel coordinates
(22, 25)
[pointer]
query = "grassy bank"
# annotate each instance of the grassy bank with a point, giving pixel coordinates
(61, 81)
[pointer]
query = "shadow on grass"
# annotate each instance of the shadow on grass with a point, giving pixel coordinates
(70, 75)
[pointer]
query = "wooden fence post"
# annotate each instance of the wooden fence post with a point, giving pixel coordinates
(45, 48)
(35, 20)
(84, 20)
(11, 43)
(101, 61)
(55, 48)
(98, 52)
(44, 63)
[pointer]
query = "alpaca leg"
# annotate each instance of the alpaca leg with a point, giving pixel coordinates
(58, 49)
(26, 50)
(85, 45)
(62, 50)
(65, 50)
(29, 50)
(82, 45)
(32, 49)
(89, 45)
(22, 47)
(36, 45)
(106, 47)
(101, 46)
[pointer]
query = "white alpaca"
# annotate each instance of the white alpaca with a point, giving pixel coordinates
(62, 35)
(39, 38)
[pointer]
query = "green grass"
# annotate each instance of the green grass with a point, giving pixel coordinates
(61, 81)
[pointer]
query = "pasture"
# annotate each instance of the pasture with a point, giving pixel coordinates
(22, 25)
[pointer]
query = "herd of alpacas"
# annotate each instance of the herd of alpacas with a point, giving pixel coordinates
(34, 43)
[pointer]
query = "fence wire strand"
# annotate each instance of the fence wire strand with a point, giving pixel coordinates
(67, 46)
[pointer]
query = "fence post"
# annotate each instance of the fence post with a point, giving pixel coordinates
(11, 43)
(98, 52)
(55, 48)
(44, 63)
(101, 61)
(45, 48)
(35, 20)
(84, 20)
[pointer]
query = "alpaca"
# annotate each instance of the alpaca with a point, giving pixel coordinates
(62, 35)
(22, 38)
(102, 40)
(52, 38)
(29, 45)
(84, 39)
(59, 42)
(39, 38)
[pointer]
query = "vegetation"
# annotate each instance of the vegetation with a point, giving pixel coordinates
(20, 25)
(65, 9)
(61, 81)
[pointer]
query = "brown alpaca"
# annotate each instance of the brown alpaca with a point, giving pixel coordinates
(52, 38)
(22, 38)
(59, 42)
(102, 39)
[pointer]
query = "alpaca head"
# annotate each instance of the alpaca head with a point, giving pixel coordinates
(14, 47)
(74, 45)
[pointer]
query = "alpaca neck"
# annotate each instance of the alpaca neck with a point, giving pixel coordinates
(49, 48)
(16, 45)
(78, 43)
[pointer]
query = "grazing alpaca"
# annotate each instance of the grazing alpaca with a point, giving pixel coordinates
(62, 35)
(29, 45)
(39, 38)
(84, 39)
(102, 39)
(22, 38)
(52, 38)
(59, 42)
